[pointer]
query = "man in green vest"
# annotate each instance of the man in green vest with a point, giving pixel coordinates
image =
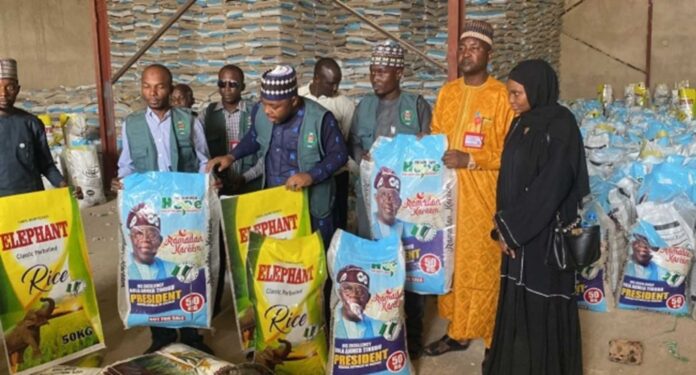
(225, 123)
(388, 112)
(301, 145)
(182, 96)
(323, 89)
(162, 138)
(300, 142)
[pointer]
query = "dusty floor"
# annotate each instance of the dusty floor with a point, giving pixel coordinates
(654, 330)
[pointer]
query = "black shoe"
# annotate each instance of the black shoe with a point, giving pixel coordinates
(444, 345)
(415, 354)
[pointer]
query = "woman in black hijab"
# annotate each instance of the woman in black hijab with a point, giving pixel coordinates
(542, 174)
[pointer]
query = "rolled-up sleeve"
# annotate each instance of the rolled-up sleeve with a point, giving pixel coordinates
(200, 145)
(125, 163)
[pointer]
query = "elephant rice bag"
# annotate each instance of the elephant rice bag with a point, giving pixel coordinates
(48, 308)
(411, 193)
(286, 286)
(169, 243)
(369, 335)
(661, 252)
(277, 213)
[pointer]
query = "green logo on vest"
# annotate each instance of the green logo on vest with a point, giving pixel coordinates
(180, 127)
(311, 139)
(407, 117)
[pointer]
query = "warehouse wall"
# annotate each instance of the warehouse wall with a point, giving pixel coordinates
(619, 28)
(258, 34)
(51, 41)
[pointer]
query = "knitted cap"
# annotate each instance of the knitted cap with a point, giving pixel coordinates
(355, 275)
(389, 54)
(8, 69)
(480, 30)
(279, 83)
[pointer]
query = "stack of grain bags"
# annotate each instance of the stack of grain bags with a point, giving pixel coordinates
(523, 30)
(75, 153)
(258, 34)
(642, 165)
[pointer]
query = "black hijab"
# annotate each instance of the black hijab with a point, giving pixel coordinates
(541, 87)
(540, 83)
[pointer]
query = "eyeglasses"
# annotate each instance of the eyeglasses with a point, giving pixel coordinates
(231, 84)
(145, 233)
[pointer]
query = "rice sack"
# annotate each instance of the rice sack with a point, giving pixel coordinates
(661, 251)
(286, 284)
(85, 172)
(368, 335)
(412, 194)
(591, 282)
(169, 237)
(277, 213)
(48, 310)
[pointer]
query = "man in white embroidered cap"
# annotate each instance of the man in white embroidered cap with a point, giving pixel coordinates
(388, 112)
(301, 145)
(300, 142)
(25, 155)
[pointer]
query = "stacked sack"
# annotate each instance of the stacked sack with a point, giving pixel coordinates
(642, 168)
(257, 35)
(523, 30)
(53, 102)
(74, 149)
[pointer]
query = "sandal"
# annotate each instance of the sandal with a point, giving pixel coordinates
(444, 345)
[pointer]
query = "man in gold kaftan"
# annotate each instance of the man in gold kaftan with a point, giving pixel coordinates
(473, 112)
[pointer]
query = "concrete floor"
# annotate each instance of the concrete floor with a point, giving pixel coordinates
(654, 330)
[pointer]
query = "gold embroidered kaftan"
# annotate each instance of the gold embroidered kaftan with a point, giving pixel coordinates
(469, 115)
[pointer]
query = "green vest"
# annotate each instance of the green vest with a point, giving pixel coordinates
(309, 153)
(216, 132)
(142, 146)
(366, 113)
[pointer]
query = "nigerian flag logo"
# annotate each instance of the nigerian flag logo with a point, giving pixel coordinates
(185, 272)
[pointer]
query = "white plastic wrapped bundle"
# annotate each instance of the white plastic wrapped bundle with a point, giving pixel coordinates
(85, 171)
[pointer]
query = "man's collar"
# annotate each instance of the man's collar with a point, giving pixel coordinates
(150, 113)
(241, 106)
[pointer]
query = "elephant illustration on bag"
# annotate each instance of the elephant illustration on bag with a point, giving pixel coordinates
(28, 332)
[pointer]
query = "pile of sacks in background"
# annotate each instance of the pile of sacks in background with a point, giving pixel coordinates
(641, 157)
(74, 147)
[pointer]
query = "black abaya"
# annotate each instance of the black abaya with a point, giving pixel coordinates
(542, 173)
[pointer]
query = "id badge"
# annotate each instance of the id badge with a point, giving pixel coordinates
(473, 140)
